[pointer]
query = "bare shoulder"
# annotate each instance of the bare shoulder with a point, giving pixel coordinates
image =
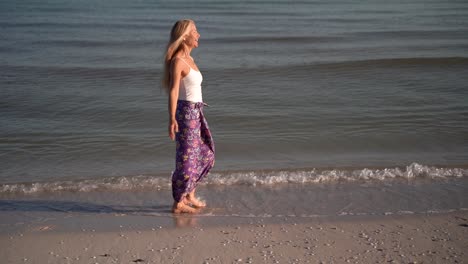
(177, 61)
(178, 65)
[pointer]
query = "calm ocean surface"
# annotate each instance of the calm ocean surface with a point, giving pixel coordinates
(303, 92)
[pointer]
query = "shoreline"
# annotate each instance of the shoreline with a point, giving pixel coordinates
(427, 238)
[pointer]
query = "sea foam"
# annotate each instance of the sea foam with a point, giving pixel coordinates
(251, 178)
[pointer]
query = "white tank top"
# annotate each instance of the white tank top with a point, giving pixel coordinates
(190, 86)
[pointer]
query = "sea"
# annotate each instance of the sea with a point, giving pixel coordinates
(317, 108)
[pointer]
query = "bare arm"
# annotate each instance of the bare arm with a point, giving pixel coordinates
(177, 70)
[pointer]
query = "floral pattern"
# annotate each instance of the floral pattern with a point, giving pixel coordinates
(194, 148)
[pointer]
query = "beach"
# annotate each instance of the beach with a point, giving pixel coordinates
(422, 238)
(340, 132)
(270, 220)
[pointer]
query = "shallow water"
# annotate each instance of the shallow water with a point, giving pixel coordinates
(232, 204)
(298, 92)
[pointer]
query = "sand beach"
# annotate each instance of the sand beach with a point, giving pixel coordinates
(340, 131)
(418, 238)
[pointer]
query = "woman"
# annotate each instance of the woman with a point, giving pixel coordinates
(187, 124)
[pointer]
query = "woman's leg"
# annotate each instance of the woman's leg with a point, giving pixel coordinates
(194, 159)
(205, 163)
(193, 200)
(186, 163)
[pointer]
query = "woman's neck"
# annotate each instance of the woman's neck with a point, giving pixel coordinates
(185, 52)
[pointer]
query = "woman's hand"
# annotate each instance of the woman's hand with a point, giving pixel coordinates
(173, 128)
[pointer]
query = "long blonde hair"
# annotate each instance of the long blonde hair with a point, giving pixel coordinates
(179, 30)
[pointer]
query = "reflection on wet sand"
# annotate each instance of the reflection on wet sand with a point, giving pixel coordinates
(185, 220)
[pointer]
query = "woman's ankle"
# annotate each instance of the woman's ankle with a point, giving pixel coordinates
(182, 207)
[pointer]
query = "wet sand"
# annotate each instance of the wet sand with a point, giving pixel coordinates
(418, 238)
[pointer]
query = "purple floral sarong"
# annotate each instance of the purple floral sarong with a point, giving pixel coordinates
(194, 148)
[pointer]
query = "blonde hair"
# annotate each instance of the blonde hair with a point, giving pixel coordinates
(178, 32)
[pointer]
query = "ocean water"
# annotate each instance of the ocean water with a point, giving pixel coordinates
(310, 94)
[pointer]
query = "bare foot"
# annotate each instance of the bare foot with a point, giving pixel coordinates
(182, 208)
(195, 202)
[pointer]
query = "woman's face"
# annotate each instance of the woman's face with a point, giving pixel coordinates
(192, 36)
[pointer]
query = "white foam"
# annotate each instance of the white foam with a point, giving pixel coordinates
(115, 183)
(250, 178)
(326, 176)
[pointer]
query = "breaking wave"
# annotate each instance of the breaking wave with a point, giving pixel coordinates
(250, 178)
